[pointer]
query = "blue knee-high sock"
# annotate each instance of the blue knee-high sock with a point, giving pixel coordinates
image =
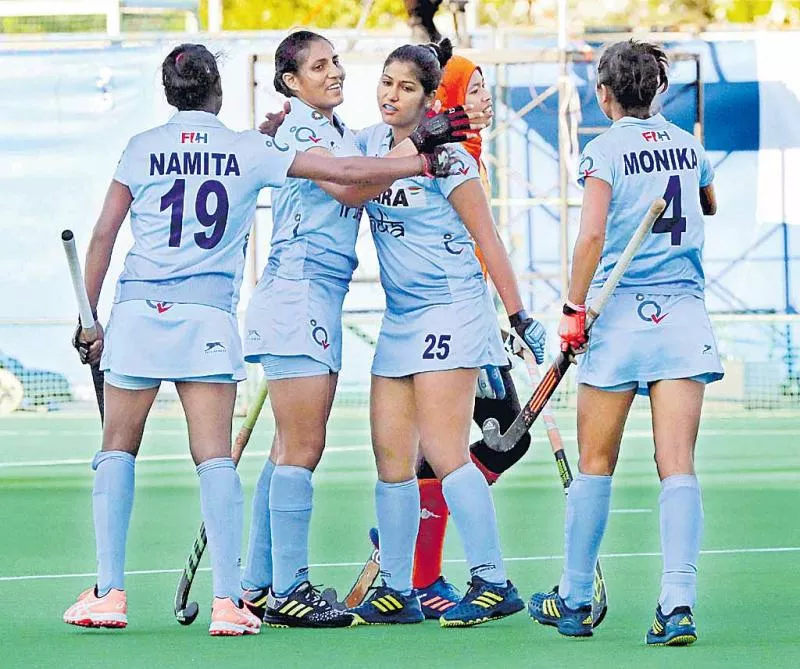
(681, 534)
(588, 504)
(290, 499)
(112, 503)
(397, 507)
(221, 503)
(470, 502)
(258, 568)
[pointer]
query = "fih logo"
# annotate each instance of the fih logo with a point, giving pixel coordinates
(194, 138)
(650, 310)
(161, 307)
(320, 335)
(215, 347)
(656, 136)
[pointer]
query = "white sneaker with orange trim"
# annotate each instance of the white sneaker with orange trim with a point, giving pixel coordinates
(110, 610)
(227, 619)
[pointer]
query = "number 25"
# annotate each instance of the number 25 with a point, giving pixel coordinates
(442, 346)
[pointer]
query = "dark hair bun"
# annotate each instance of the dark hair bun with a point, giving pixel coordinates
(443, 50)
(189, 74)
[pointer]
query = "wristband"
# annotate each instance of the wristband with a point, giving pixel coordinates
(516, 319)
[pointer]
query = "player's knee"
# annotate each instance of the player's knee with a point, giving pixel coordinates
(597, 463)
(300, 450)
(673, 461)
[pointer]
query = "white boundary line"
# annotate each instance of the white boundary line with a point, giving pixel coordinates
(333, 565)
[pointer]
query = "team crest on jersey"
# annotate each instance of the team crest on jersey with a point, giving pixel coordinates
(161, 307)
(273, 144)
(461, 167)
(305, 134)
(650, 311)
(448, 239)
(587, 167)
(319, 334)
(381, 224)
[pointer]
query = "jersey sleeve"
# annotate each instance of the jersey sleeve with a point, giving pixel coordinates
(595, 162)
(362, 139)
(269, 160)
(705, 169)
(124, 172)
(466, 169)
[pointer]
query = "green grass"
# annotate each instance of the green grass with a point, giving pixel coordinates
(749, 469)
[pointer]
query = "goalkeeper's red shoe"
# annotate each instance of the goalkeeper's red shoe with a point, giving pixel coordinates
(227, 619)
(110, 610)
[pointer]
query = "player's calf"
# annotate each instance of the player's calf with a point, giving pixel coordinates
(675, 629)
(110, 610)
(483, 602)
(549, 608)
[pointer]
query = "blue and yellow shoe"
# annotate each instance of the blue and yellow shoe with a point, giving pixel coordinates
(388, 607)
(548, 608)
(483, 602)
(438, 598)
(676, 629)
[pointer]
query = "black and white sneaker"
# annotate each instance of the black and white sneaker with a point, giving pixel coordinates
(304, 607)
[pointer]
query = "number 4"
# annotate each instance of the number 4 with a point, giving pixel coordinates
(675, 224)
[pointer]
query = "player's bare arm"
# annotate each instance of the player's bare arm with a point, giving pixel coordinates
(469, 200)
(591, 236)
(708, 200)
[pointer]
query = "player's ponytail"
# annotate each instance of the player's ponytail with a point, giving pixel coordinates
(635, 72)
(290, 56)
(428, 61)
(189, 74)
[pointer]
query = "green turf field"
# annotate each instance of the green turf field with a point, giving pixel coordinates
(749, 572)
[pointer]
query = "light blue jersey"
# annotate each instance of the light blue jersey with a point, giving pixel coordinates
(426, 254)
(194, 184)
(439, 315)
(313, 235)
(643, 160)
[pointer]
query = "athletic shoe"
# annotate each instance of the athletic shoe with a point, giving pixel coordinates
(549, 608)
(483, 602)
(256, 601)
(304, 607)
(110, 610)
(387, 606)
(228, 619)
(438, 597)
(676, 629)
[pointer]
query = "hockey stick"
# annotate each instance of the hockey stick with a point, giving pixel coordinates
(530, 412)
(600, 596)
(186, 611)
(86, 327)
